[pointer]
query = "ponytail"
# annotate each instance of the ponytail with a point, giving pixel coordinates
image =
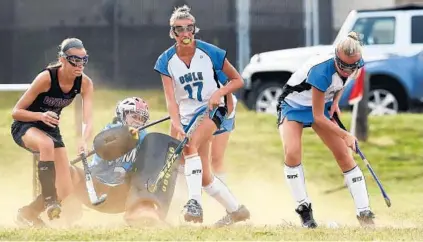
(54, 64)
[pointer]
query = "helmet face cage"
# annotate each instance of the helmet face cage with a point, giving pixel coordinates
(133, 112)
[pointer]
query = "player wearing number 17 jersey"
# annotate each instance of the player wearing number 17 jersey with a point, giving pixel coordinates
(195, 82)
(189, 74)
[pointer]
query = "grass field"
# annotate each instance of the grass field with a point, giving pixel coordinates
(254, 158)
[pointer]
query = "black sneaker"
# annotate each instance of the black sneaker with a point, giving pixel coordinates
(53, 210)
(366, 218)
(306, 214)
(239, 215)
(193, 212)
(29, 218)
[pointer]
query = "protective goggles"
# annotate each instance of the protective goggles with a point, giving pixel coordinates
(349, 68)
(76, 60)
(177, 30)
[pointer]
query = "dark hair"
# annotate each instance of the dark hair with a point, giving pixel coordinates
(65, 46)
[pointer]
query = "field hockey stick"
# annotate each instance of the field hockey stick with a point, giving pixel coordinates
(153, 123)
(152, 184)
(35, 183)
(79, 158)
(369, 167)
(94, 199)
(336, 189)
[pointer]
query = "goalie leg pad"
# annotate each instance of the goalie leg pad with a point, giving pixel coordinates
(154, 152)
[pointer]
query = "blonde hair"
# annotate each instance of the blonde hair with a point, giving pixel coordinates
(351, 45)
(64, 47)
(181, 13)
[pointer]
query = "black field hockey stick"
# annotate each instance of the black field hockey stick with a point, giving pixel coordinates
(153, 183)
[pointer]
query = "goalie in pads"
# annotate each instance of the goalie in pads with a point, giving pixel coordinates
(123, 179)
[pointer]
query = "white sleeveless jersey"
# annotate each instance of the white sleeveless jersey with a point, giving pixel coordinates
(319, 72)
(195, 83)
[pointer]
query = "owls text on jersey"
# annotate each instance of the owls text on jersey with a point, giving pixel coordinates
(194, 83)
(114, 172)
(319, 72)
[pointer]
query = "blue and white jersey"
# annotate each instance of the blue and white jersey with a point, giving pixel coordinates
(113, 173)
(194, 83)
(319, 72)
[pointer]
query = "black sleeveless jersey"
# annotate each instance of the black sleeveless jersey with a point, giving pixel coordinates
(55, 99)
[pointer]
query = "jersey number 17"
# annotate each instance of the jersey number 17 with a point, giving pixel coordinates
(196, 85)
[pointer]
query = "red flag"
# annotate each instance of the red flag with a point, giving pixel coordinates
(358, 89)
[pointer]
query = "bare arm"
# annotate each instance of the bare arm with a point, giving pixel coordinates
(318, 104)
(235, 79)
(172, 106)
(235, 82)
(87, 90)
(338, 96)
(40, 84)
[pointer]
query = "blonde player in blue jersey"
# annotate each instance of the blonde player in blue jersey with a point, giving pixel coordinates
(188, 71)
(309, 99)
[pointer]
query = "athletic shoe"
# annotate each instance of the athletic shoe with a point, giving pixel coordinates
(193, 212)
(306, 214)
(239, 215)
(53, 210)
(366, 218)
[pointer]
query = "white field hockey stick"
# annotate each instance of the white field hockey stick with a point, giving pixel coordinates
(152, 184)
(94, 199)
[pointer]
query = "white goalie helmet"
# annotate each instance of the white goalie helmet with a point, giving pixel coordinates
(132, 111)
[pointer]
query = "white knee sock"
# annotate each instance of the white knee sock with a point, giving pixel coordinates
(181, 169)
(181, 182)
(193, 175)
(221, 176)
(357, 186)
(295, 179)
(219, 191)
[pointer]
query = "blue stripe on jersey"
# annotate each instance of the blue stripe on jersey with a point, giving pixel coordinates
(216, 54)
(162, 62)
(221, 77)
(320, 75)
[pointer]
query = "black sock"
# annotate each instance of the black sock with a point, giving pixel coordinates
(47, 177)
